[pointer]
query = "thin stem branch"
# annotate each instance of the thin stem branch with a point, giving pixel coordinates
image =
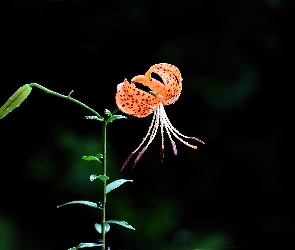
(68, 97)
(104, 142)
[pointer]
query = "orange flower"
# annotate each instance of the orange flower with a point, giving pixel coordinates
(139, 103)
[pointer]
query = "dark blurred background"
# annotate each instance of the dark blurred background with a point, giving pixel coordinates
(233, 193)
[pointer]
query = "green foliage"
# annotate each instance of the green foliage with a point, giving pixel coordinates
(101, 177)
(98, 227)
(115, 117)
(121, 223)
(84, 245)
(116, 184)
(107, 112)
(20, 95)
(15, 100)
(112, 116)
(87, 203)
(93, 117)
(93, 158)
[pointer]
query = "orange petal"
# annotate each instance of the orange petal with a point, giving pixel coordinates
(171, 77)
(167, 67)
(153, 84)
(134, 101)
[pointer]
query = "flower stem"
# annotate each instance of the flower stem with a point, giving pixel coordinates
(104, 143)
(68, 97)
(104, 135)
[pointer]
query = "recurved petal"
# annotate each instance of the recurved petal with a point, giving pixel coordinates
(173, 89)
(171, 77)
(168, 68)
(155, 85)
(134, 101)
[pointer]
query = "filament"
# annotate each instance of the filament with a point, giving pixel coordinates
(147, 134)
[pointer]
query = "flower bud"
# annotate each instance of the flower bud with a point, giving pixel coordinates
(15, 100)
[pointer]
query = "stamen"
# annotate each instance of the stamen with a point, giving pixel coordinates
(138, 156)
(184, 142)
(174, 147)
(126, 161)
(162, 155)
(147, 134)
(167, 129)
(171, 140)
(173, 130)
(152, 136)
(143, 140)
(162, 132)
(171, 126)
(197, 139)
(155, 127)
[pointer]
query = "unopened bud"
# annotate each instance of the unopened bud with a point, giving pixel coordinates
(15, 100)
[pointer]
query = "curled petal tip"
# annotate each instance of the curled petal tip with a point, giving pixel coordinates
(126, 161)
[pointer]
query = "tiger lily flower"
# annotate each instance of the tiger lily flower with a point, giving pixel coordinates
(139, 103)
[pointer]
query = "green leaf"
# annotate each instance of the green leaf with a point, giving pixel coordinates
(99, 155)
(107, 112)
(98, 227)
(115, 184)
(115, 117)
(84, 245)
(101, 177)
(115, 111)
(121, 223)
(87, 203)
(93, 158)
(15, 100)
(94, 117)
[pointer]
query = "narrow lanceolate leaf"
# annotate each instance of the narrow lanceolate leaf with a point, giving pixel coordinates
(121, 223)
(115, 117)
(98, 227)
(101, 177)
(115, 111)
(107, 112)
(87, 203)
(93, 158)
(116, 184)
(93, 117)
(84, 245)
(15, 100)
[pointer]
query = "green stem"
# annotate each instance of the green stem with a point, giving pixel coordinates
(68, 97)
(104, 141)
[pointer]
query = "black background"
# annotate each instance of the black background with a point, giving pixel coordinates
(236, 60)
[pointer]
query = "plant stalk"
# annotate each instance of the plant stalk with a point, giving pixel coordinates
(68, 97)
(104, 142)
